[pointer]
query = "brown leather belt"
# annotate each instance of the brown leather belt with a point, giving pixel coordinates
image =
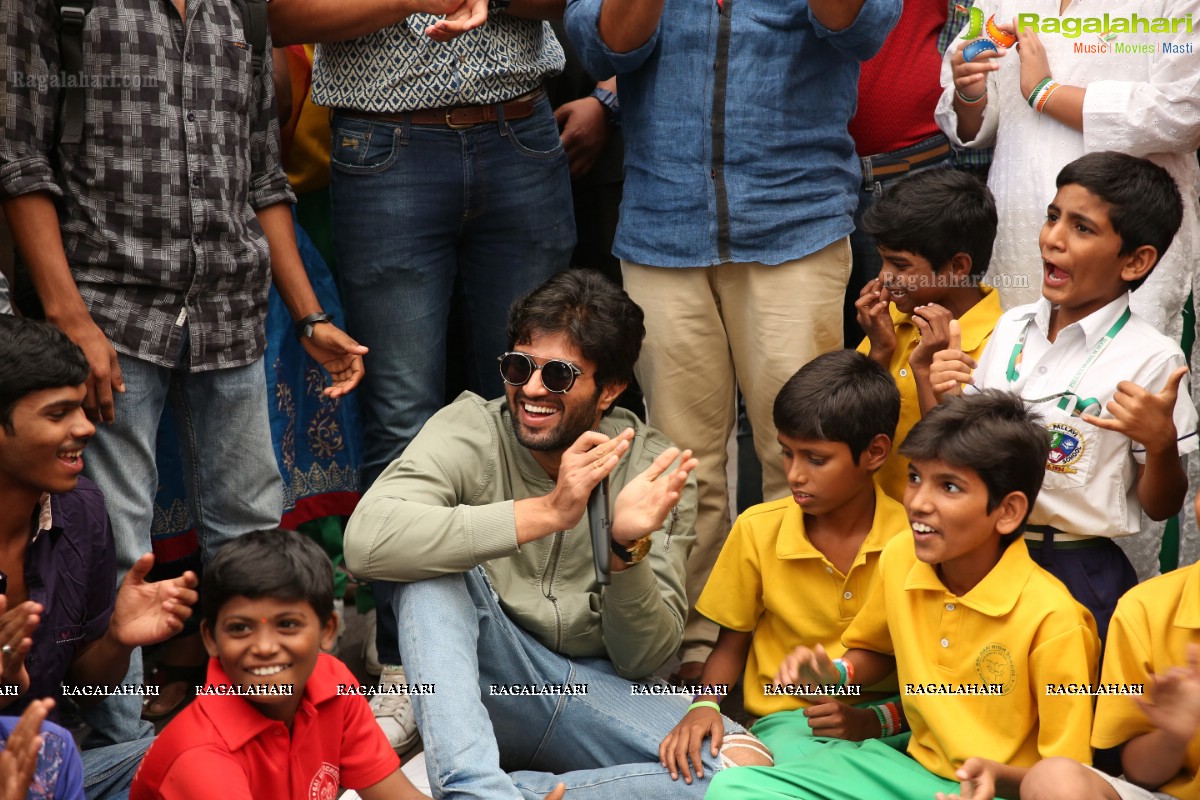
(908, 162)
(462, 116)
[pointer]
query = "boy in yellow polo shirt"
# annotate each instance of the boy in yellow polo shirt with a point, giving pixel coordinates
(934, 233)
(798, 569)
(1153, 642)
(974, 629)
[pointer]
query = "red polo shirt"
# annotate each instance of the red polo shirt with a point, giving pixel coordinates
(223, 746)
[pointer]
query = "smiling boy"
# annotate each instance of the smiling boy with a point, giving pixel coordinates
(798, 569)
(934, 233)
(294, 733)
(959, 603)
(67, 623)
(1110, 388)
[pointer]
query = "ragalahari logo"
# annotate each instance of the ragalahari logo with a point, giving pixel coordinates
(993, 36)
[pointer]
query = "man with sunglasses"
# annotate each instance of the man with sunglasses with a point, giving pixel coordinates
(483, 525)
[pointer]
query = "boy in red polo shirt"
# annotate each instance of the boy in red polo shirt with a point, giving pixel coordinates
(268, 613)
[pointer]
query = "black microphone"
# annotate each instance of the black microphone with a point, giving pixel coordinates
(601, 527)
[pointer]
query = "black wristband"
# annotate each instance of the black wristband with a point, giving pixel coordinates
(304, 327)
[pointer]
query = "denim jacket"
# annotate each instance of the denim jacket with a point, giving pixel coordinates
(735, 128)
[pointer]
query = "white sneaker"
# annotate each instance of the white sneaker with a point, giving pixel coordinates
(394, 712)
(370, 651)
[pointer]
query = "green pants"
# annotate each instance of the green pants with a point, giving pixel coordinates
(821, 768)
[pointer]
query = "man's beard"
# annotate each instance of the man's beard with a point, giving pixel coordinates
(573, 423)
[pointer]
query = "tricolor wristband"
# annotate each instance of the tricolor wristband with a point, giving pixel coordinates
(1045, 95)
(890, 721)
(845, 671)
(1032, 99)
(970, 101)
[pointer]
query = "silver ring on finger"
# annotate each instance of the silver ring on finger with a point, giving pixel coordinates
(6, 649)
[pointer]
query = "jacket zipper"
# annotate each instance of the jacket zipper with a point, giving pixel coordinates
(555, 554)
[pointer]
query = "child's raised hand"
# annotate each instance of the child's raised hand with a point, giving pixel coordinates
(970, 77)
(1146, 418)
(951, 368)
(803, 665)
(1174, 699)
(833, 718)
(977, 781)
(933, 322)
(871, 311)
(685, 739)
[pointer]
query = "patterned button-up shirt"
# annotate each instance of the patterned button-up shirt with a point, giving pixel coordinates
(157, 203)
(399, 68)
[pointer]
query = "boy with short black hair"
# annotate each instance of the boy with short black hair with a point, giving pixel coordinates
(268, 613)
(958, 604)
(934, 233)
(798, 569)
(1107, 384)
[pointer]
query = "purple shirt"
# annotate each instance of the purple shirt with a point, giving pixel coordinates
(71, 569)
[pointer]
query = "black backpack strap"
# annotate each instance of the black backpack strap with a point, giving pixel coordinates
(254, 24)
(71, 17)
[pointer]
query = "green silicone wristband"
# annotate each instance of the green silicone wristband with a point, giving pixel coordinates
(705, 704)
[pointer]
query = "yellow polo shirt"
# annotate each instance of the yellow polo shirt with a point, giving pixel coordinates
(976, 326)
(1015, 632)
(1149, 634)
(771, 580)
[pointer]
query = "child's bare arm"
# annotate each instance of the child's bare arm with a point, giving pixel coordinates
(724, 665)
(1148, 419)
(984, 779)
(872, 309)
(933, 321)
(1173, 707)
(814, 666)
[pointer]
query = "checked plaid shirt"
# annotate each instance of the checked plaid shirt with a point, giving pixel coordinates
(157, 203)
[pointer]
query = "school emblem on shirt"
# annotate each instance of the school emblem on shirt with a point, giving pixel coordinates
(324, 784)
(1066, 447)
(995, 666)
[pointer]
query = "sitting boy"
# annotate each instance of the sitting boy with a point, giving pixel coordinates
(934, 233)
(1154, 641)
(959, 609)
(1079, 352)
(268, 613)
(798, 569)
(67, 623)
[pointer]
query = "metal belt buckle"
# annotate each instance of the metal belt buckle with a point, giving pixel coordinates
(456, 125)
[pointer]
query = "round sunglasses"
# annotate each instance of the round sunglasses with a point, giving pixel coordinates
(558, 376)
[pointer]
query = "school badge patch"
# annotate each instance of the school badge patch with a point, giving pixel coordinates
(1066, 447)
(324, 785)
(994, 665)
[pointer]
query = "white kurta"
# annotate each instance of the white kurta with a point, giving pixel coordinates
(1142, 104)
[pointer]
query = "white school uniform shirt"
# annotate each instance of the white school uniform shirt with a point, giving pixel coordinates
(1090, 488)
(1143, 104)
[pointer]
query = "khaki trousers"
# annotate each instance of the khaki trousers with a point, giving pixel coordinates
(710, 331)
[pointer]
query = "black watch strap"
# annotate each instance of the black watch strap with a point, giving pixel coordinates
(304, 327)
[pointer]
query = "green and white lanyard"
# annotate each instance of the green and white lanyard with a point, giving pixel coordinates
(1064, 398)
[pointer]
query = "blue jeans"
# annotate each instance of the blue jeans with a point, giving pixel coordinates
(603, 744)
(419, 210)
(232, 480)
(866, 262)
(108, 771)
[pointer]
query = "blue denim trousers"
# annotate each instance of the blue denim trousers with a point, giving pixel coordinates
(108, 771)
(232, 480)
(603, 744)
(423, 211)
